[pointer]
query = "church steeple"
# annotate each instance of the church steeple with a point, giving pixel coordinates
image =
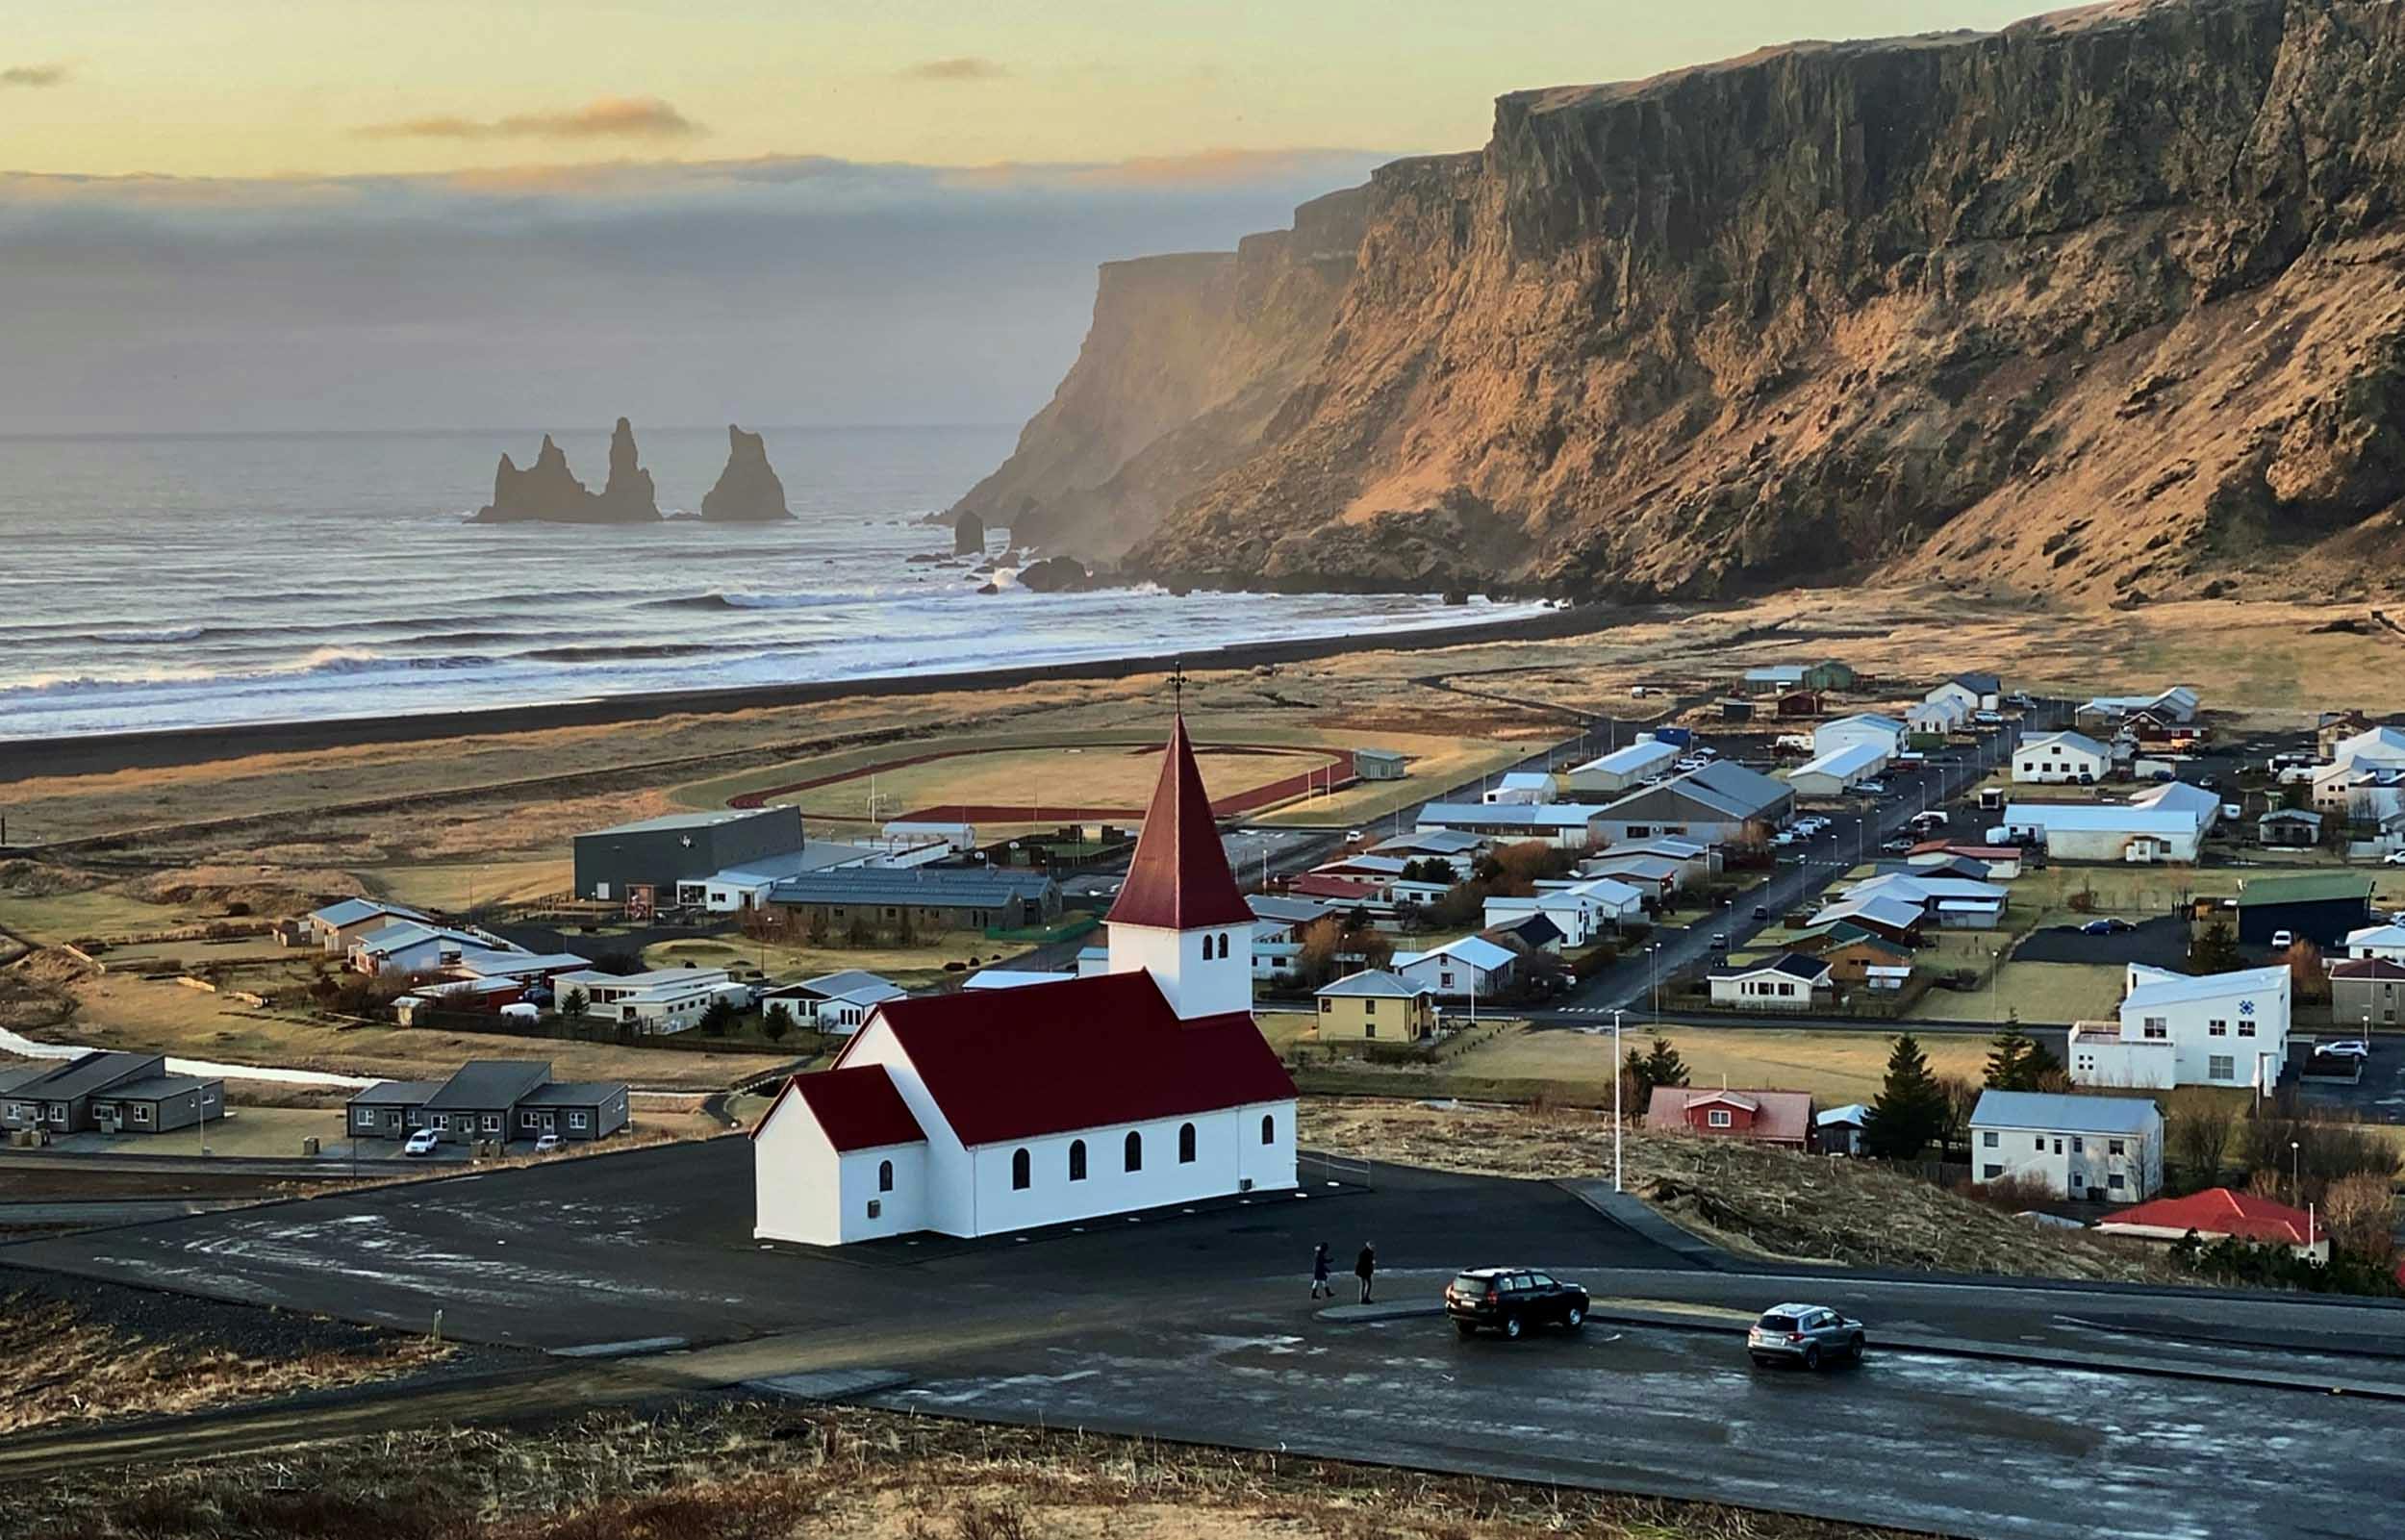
(1180, 916)
(1179, 878)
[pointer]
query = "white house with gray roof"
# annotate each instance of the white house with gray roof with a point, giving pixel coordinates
(2091, 1149)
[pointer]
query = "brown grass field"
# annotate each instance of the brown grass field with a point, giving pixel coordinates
(1835, 1066)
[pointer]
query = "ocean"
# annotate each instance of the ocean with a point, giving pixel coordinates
(197, 581)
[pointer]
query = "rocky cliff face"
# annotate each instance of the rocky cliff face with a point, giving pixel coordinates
(748, 490)
(548, 491)
(1188, 359)
(2107, 305)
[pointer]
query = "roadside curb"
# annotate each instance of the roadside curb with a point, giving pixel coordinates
(827, 1384)
(1631, 1213)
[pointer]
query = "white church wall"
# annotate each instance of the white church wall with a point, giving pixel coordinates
(1195, 987)
(1050, 1197)
(796, 1185)
(899, 1210)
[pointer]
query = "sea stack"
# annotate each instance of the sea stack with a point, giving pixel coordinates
(548, 491)
(748, 490)
(969, 536)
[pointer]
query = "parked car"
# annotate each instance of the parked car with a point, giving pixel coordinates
(2351, 1047)
(1988, 718)
(2394, 858)
(1512, 1300)
(420, 1143)
(1720, 943)
(1897, 845)
(2283, 939)
(2107, 926)
(1872, 787)
(1807, 1334)
(546, 1144)
(1762, 911)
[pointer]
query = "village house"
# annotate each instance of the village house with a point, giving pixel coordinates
(1520, 786)
(2219, 1214)
(1375, 1006)
(1378, 764)
(1279, 923)
(1970, 692)
(1795, 705)
(2179, 705)
(664, 1000)
(1655, 876)
(2288, 827)
(1951, 902)
(1886, 916)
(2368, 991)
(1472, 967)
(1790, 981)
(416, 947)
(1781, 1118)
(836, 1002)
(107, 1092)
(2175, 1029)
(1000, 1110)
(488, 1102)
(1935, 718)
(2335, 728)
(2002, 863)
(2088, 1148)
(2055, 759)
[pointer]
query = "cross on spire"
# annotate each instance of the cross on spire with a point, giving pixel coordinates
(1177, 686)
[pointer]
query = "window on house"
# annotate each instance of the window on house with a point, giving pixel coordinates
(1989, 1139)
(876, 1208)
(2221, 1067)
(442, 1121)
(576, 1120)
(2114, 1182)
(1076, 1160)
(2038, 1142)
(2158, 1026)
(1718, 1118)
(2079, 1145)
(1269, 1129)
(884, 1175)
(492, 1122)
(1185, 1144)
(1369, 1028)
(1328, 1007)
(141, 1113)
(1019, 1175)
(1133, 1156)
(1369, 1007)
(2246, 1029)
(1991, 1171)
(525, 1120)
(2216, 1029)
(2112, 1147)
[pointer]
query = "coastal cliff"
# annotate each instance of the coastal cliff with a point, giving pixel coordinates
(2106, 306)
(548, 491)
(748, 491)
(1188, 358)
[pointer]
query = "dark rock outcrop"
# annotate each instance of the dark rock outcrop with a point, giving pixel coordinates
(1054, 574)
(548, 491)
(2108, 302)
(968, 534)
(748, 490)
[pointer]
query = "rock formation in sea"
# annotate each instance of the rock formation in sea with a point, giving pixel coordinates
(748, 490)
(548, 491)
(2100, 306)
(968, 534)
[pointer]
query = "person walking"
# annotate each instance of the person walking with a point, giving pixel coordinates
(1365, 1268)
(1321, 1262)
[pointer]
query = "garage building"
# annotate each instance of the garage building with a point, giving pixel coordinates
(647, 859)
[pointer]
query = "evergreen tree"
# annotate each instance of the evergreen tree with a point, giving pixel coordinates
(776, 1022)
(576, 1003)
(1911, 1106)
(2214, 950)
(1659, 1066)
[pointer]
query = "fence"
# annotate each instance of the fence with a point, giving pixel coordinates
(1335, 1171)
(801, 1043)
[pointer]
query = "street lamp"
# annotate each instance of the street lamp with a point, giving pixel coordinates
(1653, 976)
(2296, 1172)
(1615, 1100)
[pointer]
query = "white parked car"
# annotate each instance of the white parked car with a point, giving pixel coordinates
(2353, 1048)
(420, 1143)
(2394, 858)
(2283, 939)
(546, 1144)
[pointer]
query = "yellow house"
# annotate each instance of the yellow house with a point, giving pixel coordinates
(1372, 1006)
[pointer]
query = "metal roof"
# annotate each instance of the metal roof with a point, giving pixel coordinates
(397, 1093)
(1178, 879)
(1634, 760)
(1522, 815)
(2078, 742)
(1378, 982)
(686, 820)
(2154, 986)
(2098, 818)
(1852, 759)
(95, 1070)
(485, 1083)
(351, 911)
(1283, 911)
(573, 1094)
(2052, 1112)
(2304, 887)
(946, 886)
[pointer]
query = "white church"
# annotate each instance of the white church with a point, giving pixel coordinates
(997, 1110)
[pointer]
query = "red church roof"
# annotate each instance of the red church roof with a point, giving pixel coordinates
(1179, 878)
(1042, 1059)
(2220, 1211)
(858, 1109)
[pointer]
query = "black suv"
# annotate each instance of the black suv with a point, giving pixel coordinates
(1511, 1299)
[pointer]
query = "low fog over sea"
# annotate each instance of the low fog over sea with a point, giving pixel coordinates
(200, 581)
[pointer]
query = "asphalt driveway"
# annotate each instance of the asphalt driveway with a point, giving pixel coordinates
(2158, 943)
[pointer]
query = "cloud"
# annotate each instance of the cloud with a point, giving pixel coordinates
(963, 67)
(603, 117)
(33, 75)
(1200, 169)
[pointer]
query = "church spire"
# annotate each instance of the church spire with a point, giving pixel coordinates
(1179, 878)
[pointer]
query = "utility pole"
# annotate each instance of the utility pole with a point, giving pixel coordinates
(1616, 1101)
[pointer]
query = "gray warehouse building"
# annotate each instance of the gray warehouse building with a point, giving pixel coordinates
(616, 864)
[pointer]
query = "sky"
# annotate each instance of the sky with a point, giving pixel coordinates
(243, 214)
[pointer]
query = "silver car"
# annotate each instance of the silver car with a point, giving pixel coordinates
(1807, 1334)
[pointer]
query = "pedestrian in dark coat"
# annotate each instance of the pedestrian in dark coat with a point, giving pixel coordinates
(1365, 1268)
(1321, 1262)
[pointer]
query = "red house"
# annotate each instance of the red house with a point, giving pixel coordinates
(1783, 1118)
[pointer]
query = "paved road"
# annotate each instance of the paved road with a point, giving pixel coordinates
(1198, 1325)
